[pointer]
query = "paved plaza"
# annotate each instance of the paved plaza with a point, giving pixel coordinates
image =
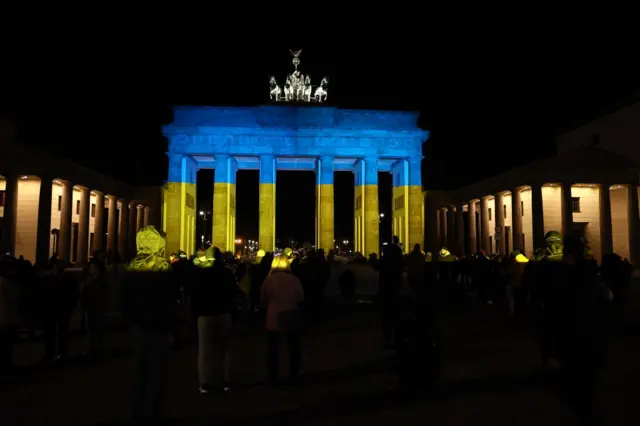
(489, 378)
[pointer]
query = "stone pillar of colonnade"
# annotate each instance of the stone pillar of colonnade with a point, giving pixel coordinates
(123, 230)
(179, 214)
(267, 201)
(98, 223)
(606, 227)
(139, 217)
(451, 230)
(500, 231)
(537, 216)
(66, 211)
(473, 237)
(632, 221)
(325, 204)
(415, 210)
(10, 214)
(83, 226)
(366, 215)
(224, 204)
(408, 202)
(442, 214)
(485, 243)
(516, 218)
(133, 225)
(460, 245)
(112, 226)
(566, 208)
(43, 238)
(147, 216)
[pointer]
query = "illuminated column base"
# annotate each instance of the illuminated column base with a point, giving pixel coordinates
(325, 217)
(224, 216)
(415, 217)
(179, 215)
(267, 231)
(367, 220)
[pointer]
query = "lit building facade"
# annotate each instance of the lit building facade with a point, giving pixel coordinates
(271, 138)
(51, 205)
(590, 189)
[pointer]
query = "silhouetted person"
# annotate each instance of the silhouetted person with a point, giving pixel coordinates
(390, 280)
(575, 330)
(60, 298)
(9, 317)
(94, 298)
(214, 292)
(149, 305)
(282, 295)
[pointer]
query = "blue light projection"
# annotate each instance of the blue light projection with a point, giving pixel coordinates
(296, 136)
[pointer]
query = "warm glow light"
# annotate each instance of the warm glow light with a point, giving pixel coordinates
(201, 213)
(381, 214)
(238, 240)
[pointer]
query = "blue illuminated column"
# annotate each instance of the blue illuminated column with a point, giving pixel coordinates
(366, 220)
(179, 198)
(267, 225)
(324, 204)
(224, 203)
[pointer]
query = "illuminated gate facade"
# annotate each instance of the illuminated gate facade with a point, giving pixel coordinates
(270, 138)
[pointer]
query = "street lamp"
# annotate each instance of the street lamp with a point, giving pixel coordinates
(201, 213)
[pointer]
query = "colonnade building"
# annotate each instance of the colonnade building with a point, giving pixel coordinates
(589, 189)
(51, 205)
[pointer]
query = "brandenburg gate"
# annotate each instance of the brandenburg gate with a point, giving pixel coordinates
(304, 136)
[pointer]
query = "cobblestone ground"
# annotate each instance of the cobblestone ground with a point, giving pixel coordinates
(489, 378)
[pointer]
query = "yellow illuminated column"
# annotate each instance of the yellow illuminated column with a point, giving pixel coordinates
(367, 223)
(400, 204)
(179, 204)
(409, 199)
(324, 204)
(224, 203)
(267, 226)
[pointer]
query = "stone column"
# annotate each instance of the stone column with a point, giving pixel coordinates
(133, 214)
(98, 223)
(324, 204)
(43, 243)
(431, 245)
(139, 217)
(484, 225)
(500, 235)
(147, 216)
(112, 222)
(567, 209)
(451, 230)
(473, 237)
(83, 226)
(10, 213)
(460, 230)
(123, 230)
(366, 209)
(179, 199)
(415, 211)
(66, 211)
(516, 219)
(606, 227)
(537, 217)
(442, 214)
(267, 219)
(632, 215)
(224, 204)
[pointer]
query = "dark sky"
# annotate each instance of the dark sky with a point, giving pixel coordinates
(489, 105)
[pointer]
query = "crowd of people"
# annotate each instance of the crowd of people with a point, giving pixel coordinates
(560, 290)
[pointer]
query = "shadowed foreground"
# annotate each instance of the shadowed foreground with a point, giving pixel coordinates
(489, 378)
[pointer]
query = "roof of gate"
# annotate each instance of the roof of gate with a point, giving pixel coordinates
(293, 117)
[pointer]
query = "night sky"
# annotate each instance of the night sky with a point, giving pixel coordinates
(490, 106)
